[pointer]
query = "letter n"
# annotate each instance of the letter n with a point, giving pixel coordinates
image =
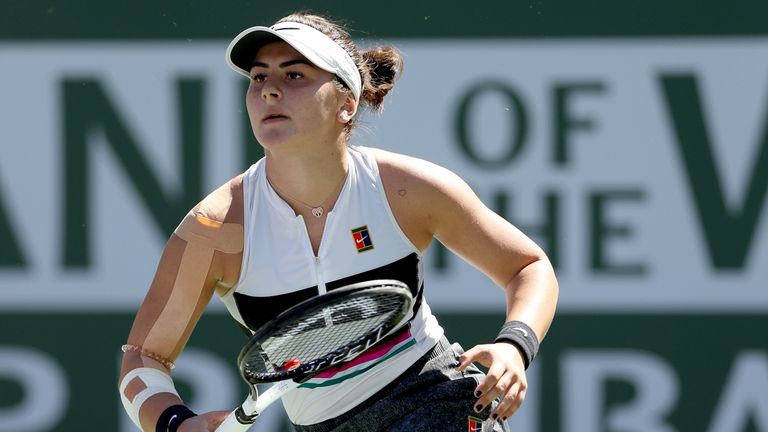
(88, 110)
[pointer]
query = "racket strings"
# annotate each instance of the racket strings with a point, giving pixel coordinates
(322, 332)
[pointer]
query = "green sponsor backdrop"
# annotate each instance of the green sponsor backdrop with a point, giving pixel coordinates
(701, 351)
(184, 19)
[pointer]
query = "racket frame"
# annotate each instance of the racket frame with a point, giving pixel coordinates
(241, 419)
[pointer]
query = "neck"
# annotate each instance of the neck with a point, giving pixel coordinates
(313, 179)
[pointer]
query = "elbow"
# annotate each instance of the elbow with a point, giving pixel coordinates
(537, 276)
(548, 277)
(552, 283)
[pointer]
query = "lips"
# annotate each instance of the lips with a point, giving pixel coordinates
(271, 117)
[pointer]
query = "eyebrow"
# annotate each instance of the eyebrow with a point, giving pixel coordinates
(283, 64)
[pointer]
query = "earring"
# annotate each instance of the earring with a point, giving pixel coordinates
(344, 116)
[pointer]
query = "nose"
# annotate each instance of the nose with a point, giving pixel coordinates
(269, 90)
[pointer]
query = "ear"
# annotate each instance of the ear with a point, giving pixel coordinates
(347, 110)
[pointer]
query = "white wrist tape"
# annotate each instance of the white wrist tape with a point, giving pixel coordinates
(154, 381)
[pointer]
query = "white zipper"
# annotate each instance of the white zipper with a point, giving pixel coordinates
(322, 290)
(320, 282)
(327, 229)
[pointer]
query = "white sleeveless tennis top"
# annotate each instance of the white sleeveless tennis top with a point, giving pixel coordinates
(361, 241)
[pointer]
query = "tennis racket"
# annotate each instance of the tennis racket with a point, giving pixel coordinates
(317, 334)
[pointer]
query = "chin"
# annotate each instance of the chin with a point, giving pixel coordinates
(273, 140)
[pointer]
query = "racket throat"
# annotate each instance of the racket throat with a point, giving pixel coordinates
(244, 418)
(249, 411)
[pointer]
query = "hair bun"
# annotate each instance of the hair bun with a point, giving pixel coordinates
(384, 65)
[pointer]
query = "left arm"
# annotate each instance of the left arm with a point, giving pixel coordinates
(431, 201)
(502, 252)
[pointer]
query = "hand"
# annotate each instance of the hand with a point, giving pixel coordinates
(505, 378)
(207, 422)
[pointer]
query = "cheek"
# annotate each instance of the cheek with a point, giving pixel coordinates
(329, 102)
(252, 96)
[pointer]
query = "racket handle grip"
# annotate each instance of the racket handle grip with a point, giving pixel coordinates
(232, 424)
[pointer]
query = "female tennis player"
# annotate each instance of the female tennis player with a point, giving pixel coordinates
(318, 213)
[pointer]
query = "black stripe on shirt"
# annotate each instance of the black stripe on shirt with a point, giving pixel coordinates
(257, 311)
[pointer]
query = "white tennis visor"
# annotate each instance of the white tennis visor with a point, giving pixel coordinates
(318, 48)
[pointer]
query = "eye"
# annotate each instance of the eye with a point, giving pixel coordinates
(258, 77)
(293, 75)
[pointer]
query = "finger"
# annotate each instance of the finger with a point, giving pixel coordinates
(494, 384)
(511, 402)
(219, 417)
(506, 401)
(467, 358)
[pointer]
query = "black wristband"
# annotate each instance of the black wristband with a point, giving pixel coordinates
(172, 417)
(522, 336)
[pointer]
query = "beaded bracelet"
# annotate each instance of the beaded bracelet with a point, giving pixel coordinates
(162, 360)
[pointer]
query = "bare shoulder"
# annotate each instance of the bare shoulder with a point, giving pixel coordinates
(415, 173)
(419, 193)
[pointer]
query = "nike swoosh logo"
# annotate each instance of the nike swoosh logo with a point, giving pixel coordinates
(361, 240)
(521, 330)
(171, 419)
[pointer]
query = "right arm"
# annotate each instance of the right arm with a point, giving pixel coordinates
(201, 257)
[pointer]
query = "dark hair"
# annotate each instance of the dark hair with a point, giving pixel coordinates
(379, 67)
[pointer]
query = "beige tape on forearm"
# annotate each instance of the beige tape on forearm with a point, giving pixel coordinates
(204, 237)
(140, 384)
(172, 322)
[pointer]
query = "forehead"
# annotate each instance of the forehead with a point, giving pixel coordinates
(277, 51)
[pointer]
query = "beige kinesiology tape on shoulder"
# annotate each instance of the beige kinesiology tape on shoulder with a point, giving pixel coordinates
(220, 236)
(140, 384)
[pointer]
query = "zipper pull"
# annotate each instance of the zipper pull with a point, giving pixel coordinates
(320, 282)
